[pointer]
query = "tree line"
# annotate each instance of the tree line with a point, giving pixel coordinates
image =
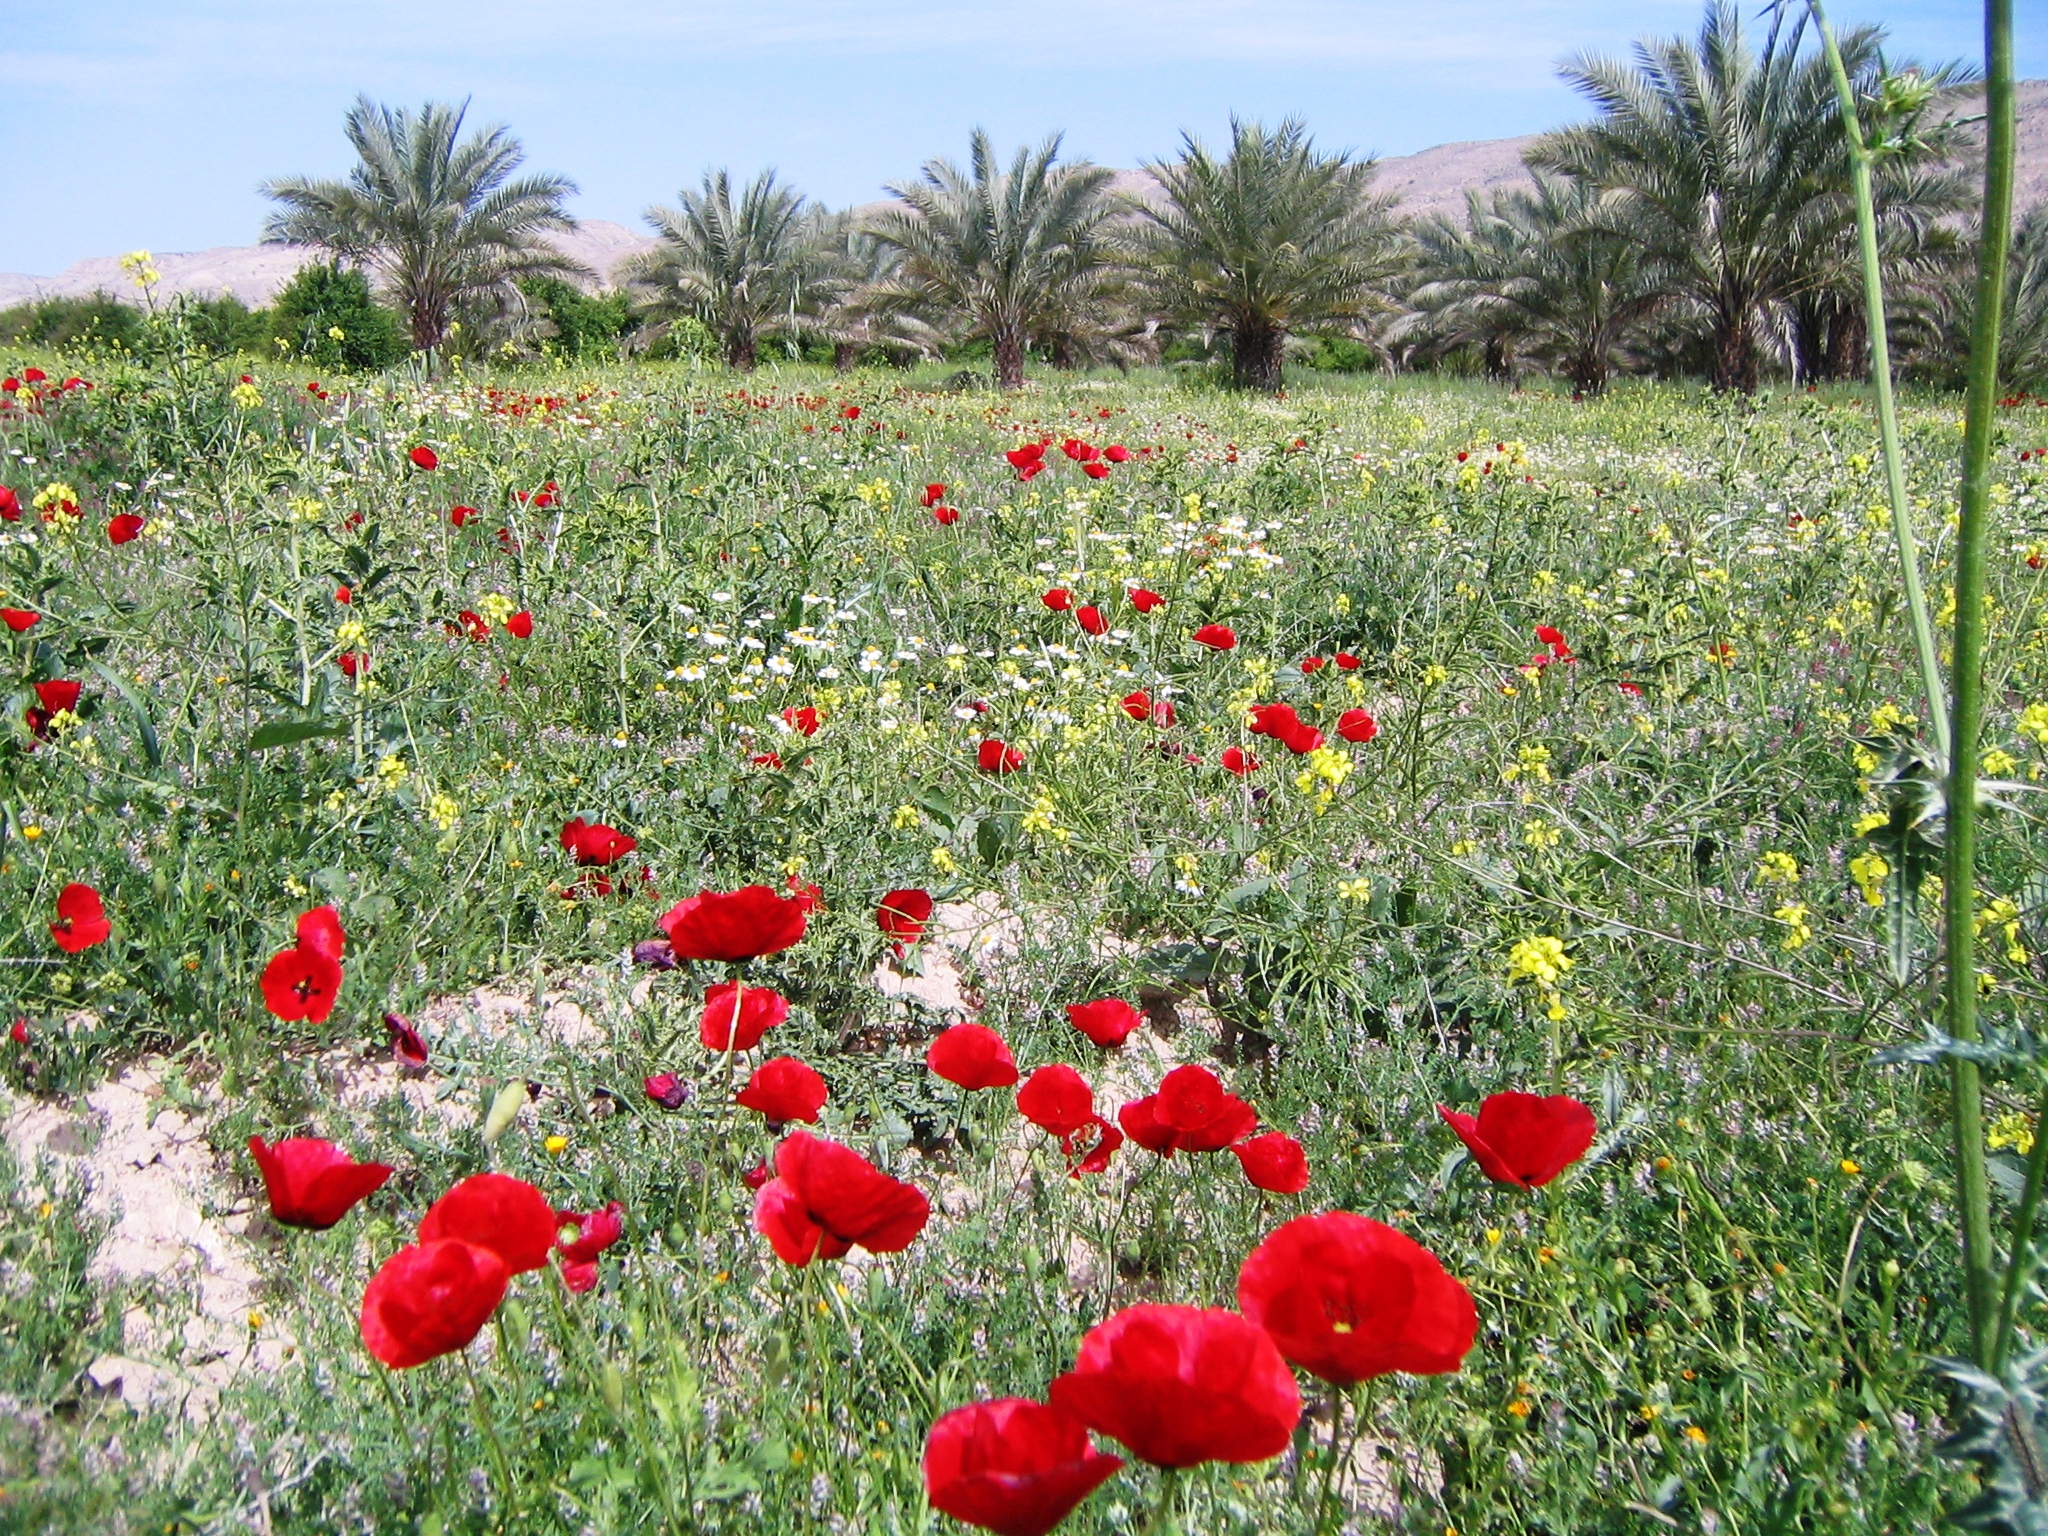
(1699, 224)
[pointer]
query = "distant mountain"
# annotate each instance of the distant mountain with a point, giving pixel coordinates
(254, 273)
(1433, 181)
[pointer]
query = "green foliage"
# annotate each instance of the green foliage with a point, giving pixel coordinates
(325, 297)
(97, 323)
(586, 327)
(1329, 354)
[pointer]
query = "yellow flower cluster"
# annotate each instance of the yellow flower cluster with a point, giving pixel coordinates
(1777, 869)
(1531, 762)
(1798, 931)
(1869, 871)
(2014, 1129)
(1541, 959)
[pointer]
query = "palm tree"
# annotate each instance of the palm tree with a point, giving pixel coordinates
(1730, 166)
(439, 218)
(1545, 271)
(999, 255)
(1272, 239)
(738, 267)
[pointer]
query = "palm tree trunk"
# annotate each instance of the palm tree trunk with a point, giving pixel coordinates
(740, 351)
(844, 355)
(1500, 359)
(1735, 357)
(1589, 372)
(1255, 357)
(1009, 346)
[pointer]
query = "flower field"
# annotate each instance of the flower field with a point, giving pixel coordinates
(848, 955)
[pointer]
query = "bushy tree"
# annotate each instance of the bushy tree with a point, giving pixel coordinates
(1006, 256)
(86, 323)
(1271, 239)
(440, 218)
(579, 325)
(327, 316)
(738, 266)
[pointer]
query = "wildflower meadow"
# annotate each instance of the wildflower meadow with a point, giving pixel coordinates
(771, 956)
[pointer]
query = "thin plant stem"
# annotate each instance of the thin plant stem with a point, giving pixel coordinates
(2019, 1265)
(1860, 159)
(1960, 893)
(489, 1427)
(1164, 1521)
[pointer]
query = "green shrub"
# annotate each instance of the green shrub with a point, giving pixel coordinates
(324, 298)
(95, 322)
(580, 326)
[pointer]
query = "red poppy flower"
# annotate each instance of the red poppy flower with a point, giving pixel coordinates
(945, 517)
(18, 1032)
(1286, 727)
(352, 663)
(595, 1231)
(851, 413)
(783, 1088)
(520, 625)
(344, 596)
(1026, 456)
(1346, 662)
(667, 1090)
(1524, 1139)
(1106, 1021)
(1095, 471)
(733, 925)
(1238, 761)
(313, 1183)
(475, 625)
(10, 504)
(430, 1300)
(300, 983)
(903, 915)
(1117, 453)
(58, 695)
(460, 515)
(760, 1009)
(1011, 1466)
(1139, 706)
(1145, 601)
(993, 757)
(825, 1199)
(934, 494)
(1057, 1099)
(1633, 690)
(1357, 725)
(1191, 1112)
(1079, 451)
(1090, 618)
(1554, 638)
(803, 721)
(1347, 1298)
(81, 919)
(19, 619)
(1059, 599)
(1183, 1385)
(122, 529)
(408, 1047)
(772, 761)
(595, 844)
(425, 457)
(1273, 1162)
(1096, 1141)
(810, 897)
(973, 1056)
(1031, 470)
(1311, 665)
(495, 1211)
(1218, 637)
(320, 931)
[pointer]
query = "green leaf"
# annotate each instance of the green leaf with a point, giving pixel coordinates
(283, 732)
(145, 729)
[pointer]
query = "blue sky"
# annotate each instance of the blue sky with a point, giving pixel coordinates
(137, 125)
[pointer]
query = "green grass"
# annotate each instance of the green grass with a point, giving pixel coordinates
(1724, 1316)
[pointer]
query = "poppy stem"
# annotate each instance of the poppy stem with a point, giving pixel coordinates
(485, 1423)
(1164, 1519)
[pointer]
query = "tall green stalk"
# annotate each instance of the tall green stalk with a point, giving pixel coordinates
(1861, 157)
(1980, 405)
